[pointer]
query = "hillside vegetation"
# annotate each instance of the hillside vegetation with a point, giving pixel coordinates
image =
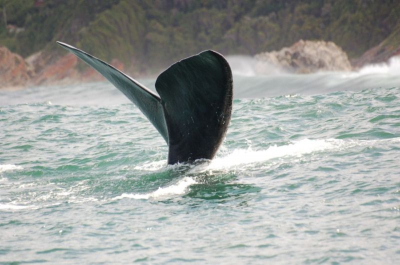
(147, 34)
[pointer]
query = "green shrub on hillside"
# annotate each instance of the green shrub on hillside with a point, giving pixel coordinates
(148, 34)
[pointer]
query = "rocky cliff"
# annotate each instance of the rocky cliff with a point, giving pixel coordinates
(302, 57)
(14, 71)
(388, 48)
(45, 69)
(148, 36)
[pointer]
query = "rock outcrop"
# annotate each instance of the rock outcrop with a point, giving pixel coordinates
(66, 70)
(62, 70)
(14, 71)
(305, 57)
(387, 49)
(45, 69)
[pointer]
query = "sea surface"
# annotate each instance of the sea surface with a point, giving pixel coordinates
(309, 173)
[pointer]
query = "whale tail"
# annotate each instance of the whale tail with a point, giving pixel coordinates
(194, 108)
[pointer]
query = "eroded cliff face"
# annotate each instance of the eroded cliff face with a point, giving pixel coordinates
(62, 70)
(305, 57)
(45, 69)
(14, 71)
(379, 54)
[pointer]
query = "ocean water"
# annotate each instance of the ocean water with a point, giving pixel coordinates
(309, 173)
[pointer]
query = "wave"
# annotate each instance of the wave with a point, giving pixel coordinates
(277, 82)
(238, 157)
(228, 161)
(4, 168)
(242, 158)
(13, 207)
(247, 84)
(243, 65)
(152, 166)
(246, 66)
(392, 67)
(179, 188)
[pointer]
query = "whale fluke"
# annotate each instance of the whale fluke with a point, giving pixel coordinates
(194, 108)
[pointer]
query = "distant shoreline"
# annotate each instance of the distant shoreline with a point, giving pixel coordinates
(302, 57)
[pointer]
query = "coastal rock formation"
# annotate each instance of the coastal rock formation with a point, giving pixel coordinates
(305, 57)
(62, 70)
(14, 71)
(66, 70)
(388, 48)
(45, 69)
(91, 75)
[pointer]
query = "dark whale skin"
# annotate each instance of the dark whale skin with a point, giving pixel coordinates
(196, 94)
(194, 108)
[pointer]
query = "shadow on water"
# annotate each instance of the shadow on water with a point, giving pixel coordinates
(162, 178)
(218, 186)
(170, 184)
(220, 191)
(205, 185)
(111, 186)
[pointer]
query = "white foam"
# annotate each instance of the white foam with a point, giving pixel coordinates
(10, 207)
(249, 66)
(70, 194)
(152, 166)
(176, 189)
(241, 157)
(4, 168)
(392, 67)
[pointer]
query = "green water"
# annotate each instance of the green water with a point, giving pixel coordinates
(304, 177)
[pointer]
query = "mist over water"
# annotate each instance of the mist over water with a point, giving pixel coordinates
(308, 173)
(276, 82)
(243, 65)
(247, 84)
(392, 67)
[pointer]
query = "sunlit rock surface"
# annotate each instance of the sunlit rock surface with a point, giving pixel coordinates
(14, 71)
(66, 70)
(45, 69)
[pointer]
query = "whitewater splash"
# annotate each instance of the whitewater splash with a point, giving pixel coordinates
(237, 159)
(4, 168)
(392, 67)
(14, 207)
(242, 158)
(247, 66)
(153, 166)
(177, 189)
